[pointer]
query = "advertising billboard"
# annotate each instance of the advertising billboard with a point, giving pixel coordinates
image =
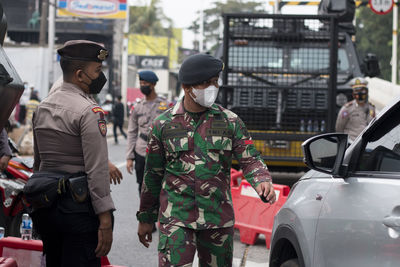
(102, 9)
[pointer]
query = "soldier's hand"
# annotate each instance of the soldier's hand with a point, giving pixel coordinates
(105, 235)
(145, 233)
(129, 165)
(267, 190)
(115, 173)
(4, 162)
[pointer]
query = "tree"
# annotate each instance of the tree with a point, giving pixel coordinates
(213, 18)
(374, 35)
(149, 20)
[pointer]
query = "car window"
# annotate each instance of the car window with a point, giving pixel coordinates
(382, 150)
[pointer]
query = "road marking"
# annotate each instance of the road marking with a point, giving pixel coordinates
(235, 263)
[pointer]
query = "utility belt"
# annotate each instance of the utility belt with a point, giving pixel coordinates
(143, 136)
(68, 191)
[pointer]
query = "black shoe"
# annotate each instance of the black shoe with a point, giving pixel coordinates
(154, 228)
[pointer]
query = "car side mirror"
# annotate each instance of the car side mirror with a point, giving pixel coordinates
(370, 65)
(325, 152)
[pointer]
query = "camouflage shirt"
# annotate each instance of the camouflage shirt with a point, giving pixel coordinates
(187, 173)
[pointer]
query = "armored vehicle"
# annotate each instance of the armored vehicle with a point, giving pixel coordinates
(287, 76)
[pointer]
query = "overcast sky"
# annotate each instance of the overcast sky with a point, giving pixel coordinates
(183, 12)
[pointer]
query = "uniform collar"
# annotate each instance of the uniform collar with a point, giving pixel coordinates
(70, 87)
(179, 109)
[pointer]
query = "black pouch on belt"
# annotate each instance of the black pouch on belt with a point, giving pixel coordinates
(78, 187)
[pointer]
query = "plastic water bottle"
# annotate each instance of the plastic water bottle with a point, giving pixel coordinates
(323, 126)
(309, 126)
(26, 227)
(302, 126)
(315, 126)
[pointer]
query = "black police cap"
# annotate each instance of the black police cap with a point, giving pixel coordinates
(83, 50)
(199, 68)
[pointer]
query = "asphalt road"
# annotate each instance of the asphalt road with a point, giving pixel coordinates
(127, 250)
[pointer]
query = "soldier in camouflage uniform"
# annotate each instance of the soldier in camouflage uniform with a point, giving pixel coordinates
(355, 115)
(187, 175)
(142, 115)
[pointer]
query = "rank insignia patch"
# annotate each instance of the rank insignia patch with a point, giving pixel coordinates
(97, 110)
(102, 127)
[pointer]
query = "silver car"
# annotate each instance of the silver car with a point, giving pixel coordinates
(346, 210)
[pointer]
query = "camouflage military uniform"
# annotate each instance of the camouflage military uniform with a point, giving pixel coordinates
(187, 181)
(353, 118)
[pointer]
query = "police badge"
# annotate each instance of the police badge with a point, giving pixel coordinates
(102, 127)
(102, 54)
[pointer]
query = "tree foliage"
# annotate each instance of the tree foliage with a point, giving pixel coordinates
(149, 20)
(374, 35)
(213, 18)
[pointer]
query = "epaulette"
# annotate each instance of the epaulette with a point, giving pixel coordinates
(348, 104)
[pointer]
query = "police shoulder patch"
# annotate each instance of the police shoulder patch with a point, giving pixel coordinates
(102, 127)
(97, 110)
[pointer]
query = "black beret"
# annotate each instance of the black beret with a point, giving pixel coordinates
(148, 76)
(199, 68)
(83, 50)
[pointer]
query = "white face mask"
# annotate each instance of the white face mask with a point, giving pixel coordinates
(205, 97)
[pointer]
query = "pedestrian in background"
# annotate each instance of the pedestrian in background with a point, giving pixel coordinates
(31, 106)
(70, 137)
(355, 115)
(22, 103)
(5, 151)
(118, 118)
(187, 175)
(143, 112)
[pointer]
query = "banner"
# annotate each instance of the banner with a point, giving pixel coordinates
(101, 9)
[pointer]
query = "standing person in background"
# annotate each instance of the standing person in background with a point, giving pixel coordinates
(31, 106)
(5, 151)
(70, 137)
(142, 115)
(118, 118)
(22, 103)
(187, 175)
(355, 115)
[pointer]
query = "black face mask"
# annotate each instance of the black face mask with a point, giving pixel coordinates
(362, 96)
(97, 84)
(145, 89)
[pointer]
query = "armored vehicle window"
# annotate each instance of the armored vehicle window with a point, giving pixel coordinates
(255, 57)
(314, 58)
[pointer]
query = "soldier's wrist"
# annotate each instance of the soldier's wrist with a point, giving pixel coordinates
(147, 216)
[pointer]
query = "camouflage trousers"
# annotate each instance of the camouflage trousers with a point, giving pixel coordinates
(177, 246)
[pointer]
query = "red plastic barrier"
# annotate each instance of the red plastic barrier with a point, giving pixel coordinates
(29, 253)
(252, 216)
(8, 262)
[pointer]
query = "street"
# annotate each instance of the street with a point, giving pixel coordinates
(127, 250)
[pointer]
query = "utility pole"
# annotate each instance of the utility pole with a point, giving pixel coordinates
(51, 37)
(124, 60)
(276, 7)
(43, 23)
(394, 42)
(201, 41)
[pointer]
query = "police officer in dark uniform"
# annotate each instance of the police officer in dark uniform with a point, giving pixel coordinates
(70, 137)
